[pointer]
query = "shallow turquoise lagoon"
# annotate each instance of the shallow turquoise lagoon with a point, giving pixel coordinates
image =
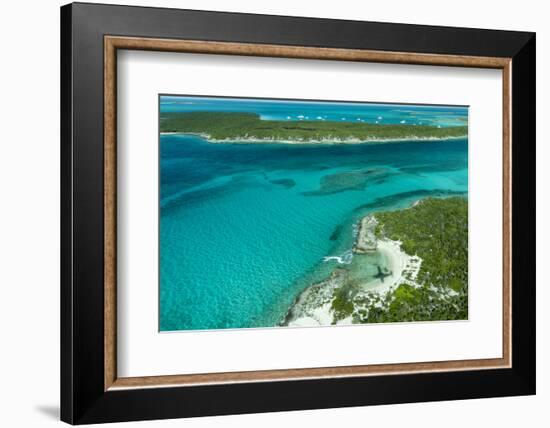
(244, 228)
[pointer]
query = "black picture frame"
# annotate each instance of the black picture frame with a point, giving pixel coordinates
(83, 396)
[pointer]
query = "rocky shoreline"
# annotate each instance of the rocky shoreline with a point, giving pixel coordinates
(366, 238)
(317, 305)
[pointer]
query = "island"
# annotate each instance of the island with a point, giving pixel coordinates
(246, 127)
(423, 274)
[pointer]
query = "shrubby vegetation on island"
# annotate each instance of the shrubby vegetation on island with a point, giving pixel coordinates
(436, 230)
(242, 126)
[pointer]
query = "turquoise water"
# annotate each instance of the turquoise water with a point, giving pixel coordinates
(244, 228)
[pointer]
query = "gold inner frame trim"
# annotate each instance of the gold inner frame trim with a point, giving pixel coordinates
(113, 43)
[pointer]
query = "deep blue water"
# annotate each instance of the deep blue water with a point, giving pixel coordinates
(244, 227)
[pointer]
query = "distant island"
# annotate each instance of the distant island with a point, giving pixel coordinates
(220, 127)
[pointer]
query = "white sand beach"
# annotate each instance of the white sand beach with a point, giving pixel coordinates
(299, 141)
(403, 267)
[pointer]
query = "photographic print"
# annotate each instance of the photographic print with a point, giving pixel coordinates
(299, 213)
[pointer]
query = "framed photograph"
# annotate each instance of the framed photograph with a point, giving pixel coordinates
(265, 213)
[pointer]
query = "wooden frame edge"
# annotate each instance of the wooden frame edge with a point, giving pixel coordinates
(301, 374)
(507, 213)
(110, 213)
(301, 52)
(112, 43)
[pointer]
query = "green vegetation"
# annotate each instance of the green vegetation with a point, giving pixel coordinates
(238, 126)
(342, 305)
(437, 231)
(408, 303)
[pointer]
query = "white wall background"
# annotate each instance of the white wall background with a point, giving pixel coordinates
(29, 216)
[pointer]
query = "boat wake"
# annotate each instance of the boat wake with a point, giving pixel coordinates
(344, 259)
